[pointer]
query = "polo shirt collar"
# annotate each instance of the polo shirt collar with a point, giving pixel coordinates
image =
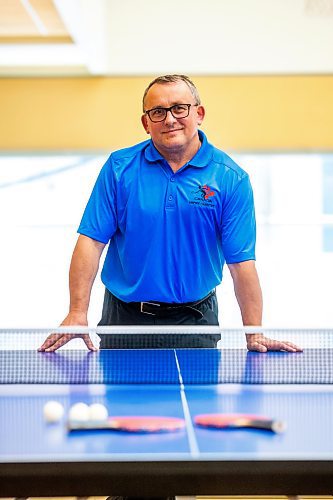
(200, 159)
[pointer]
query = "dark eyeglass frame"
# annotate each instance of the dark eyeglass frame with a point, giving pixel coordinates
(169, 109)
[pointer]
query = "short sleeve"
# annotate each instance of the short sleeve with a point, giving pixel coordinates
(99, 220)
(238, 225)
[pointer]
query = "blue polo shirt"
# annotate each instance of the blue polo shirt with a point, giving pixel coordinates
(170, 233)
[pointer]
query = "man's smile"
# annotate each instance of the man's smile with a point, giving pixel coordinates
(172, 130)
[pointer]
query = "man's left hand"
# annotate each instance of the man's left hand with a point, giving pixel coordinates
(258, 342)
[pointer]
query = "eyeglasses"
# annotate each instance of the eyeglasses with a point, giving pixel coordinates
(177, 111)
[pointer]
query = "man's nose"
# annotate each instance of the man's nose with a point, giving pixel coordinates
(169, 119)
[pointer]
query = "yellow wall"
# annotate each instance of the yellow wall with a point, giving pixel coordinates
(243, 113)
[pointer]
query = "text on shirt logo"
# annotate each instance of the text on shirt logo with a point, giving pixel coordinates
(203, 196)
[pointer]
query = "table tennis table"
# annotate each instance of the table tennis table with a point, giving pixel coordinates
(40, 459)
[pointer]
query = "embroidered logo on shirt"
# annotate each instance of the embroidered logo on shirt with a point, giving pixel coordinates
(203, 196)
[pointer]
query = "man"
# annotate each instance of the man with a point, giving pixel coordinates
(173, 209)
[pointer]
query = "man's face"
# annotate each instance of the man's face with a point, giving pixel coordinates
(172, 134)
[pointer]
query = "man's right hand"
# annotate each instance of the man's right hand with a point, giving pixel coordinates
(56, 340)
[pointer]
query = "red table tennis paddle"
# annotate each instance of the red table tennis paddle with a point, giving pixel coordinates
(237, 421)
(140, 424)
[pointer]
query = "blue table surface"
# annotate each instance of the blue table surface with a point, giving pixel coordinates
(295, 388)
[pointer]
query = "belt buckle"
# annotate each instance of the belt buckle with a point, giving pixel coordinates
(146, 312)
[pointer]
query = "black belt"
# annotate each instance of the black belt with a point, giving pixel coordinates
(162, 308)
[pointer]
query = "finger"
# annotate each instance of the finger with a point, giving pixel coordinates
(60, 342)
(49, 341)
(256, 346)
(296, 347)
(275, 345)
(281, 346)
(89, 343)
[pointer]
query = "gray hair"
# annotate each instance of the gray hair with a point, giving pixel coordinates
(173, 79)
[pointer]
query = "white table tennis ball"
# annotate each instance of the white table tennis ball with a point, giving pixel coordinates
(79, 412)
(53, 411)
(98, 411)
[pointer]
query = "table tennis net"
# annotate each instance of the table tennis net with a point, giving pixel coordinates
(165, 355)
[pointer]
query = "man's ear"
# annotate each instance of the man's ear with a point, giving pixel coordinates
(144, 121)
(200, 114)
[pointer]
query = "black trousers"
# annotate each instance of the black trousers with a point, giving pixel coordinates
(117, 312)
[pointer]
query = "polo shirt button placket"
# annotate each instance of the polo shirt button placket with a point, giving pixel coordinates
(170, 203)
